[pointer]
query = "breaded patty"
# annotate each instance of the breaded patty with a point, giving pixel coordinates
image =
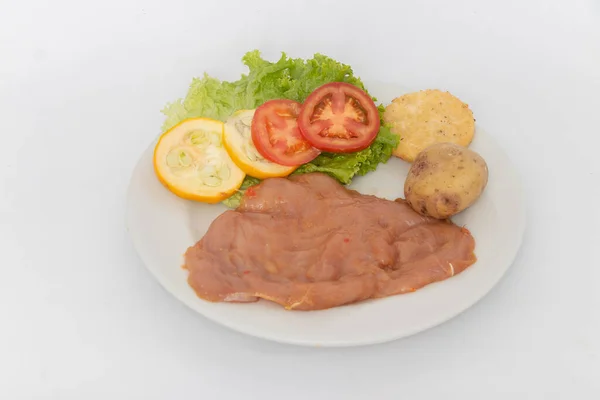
(428, 117)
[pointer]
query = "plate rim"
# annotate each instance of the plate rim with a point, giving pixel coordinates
(519, 232)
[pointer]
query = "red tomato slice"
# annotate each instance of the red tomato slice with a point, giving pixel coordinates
(276, 135)
(339, 117)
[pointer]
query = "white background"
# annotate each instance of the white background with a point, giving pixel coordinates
(81, 86)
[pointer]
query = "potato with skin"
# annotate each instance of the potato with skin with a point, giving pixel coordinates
(445, 179)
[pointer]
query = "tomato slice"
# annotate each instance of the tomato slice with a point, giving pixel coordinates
(339, 117)
(276, 135)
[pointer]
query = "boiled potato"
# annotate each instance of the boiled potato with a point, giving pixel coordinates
(445, 179)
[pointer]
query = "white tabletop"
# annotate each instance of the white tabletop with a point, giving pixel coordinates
(81, 86)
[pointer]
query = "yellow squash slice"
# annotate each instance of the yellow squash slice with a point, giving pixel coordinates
(191, 161)
(238, 141)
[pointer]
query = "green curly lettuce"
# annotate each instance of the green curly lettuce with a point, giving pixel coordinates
(344, 167)
(233, 201)
(288, 78)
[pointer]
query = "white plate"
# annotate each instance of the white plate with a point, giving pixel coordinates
(162, 227)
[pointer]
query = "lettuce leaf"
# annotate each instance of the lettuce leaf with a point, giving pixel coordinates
(288, 78)
(344, 167)
(234, 200)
